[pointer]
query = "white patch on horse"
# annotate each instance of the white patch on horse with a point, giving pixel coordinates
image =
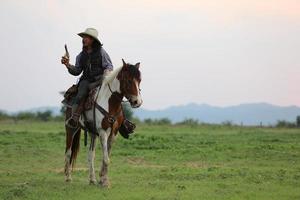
(68, 165)
(104, 134)
(91, 158)
(136, 99)
(112, 75)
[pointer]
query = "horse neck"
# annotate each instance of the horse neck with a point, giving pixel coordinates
(106, 94)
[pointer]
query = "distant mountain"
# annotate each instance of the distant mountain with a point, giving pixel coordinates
(248, 114)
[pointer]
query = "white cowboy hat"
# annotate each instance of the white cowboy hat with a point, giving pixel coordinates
(90, 32)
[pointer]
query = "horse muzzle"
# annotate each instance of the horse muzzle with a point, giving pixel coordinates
(135, 101)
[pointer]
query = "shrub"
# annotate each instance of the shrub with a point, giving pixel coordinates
(3, 115)
(298, 121)
(227, 123)
(44, 116)
(285, 124)
(148, 121)
(63, 110)
(189, 122)
(162, 121)
(25, 116)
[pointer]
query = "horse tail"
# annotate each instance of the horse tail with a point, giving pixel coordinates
(75, 147)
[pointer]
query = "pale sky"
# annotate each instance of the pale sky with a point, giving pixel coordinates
(220, 52)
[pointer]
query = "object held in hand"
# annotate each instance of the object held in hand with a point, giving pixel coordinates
(67, 55)
(65, 59)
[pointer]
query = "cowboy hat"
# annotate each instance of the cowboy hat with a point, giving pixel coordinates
(90, 32)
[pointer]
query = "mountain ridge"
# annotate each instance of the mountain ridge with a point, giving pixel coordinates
(246, 113)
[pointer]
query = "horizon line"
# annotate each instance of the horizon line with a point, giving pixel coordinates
(164, 108)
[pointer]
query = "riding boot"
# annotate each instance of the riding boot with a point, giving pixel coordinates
(126, 128)
(72, 122)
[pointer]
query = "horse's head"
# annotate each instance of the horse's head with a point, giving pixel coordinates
(130, 79)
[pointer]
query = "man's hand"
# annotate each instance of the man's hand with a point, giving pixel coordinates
(65, 61)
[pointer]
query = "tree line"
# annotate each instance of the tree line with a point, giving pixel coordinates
(48, 116)
(26, 115)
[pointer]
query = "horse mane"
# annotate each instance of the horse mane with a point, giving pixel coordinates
(112, 75)
(133, 70)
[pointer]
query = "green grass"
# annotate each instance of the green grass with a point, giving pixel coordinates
(158, 162)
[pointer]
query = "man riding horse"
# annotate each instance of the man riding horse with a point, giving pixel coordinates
(99, 105)
(93, 62)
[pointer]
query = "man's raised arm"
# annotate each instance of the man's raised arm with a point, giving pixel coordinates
(73, 69)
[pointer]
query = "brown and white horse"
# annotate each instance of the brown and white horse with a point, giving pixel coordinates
(122, 82)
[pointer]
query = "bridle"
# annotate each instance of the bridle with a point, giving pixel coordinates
(112, 92)
(126, 89)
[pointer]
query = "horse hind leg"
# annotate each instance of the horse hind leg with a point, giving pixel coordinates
(91, 158)
(72, 147)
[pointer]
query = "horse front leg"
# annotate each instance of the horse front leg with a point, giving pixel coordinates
(105, 159)
(91, 158)
(111, 139)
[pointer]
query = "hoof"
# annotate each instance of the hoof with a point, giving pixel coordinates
(93, 182)
(107, 161)
(68, 179)
(104, 183)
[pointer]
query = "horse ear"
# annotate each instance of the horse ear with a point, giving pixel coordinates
(124, 63)
(137, 65)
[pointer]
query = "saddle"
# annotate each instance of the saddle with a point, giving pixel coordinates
(126, 128)
(71, 93)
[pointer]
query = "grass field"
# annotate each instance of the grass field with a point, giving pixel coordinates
(158, 162)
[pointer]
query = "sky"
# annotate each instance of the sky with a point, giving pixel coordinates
(219, 52)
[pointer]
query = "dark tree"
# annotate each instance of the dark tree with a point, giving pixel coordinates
(63, 110)
(25, 116)
(298, 121)
(3, 115)
(44, 116)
